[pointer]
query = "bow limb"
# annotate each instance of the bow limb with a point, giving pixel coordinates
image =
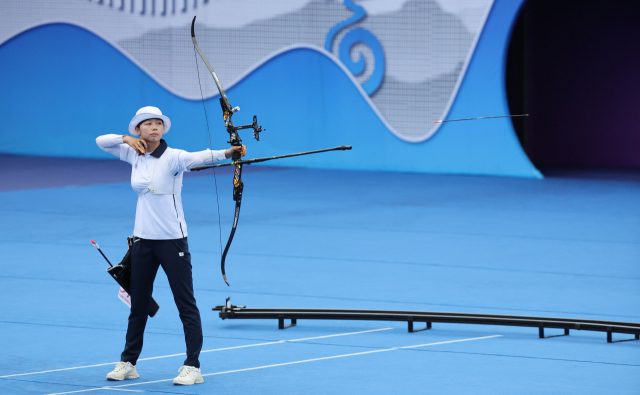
(238, 186)
(223, 95)
(226, 248)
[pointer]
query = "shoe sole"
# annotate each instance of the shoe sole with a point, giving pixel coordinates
(198, 381)
(124, 378)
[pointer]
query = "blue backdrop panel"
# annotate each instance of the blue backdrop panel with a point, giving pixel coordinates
(64, 86)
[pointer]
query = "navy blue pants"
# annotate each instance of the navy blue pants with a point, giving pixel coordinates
(174, 256)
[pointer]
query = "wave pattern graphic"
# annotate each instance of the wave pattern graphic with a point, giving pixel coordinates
(90, 88)
(65, 86)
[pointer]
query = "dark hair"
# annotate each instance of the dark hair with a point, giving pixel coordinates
(141, 122)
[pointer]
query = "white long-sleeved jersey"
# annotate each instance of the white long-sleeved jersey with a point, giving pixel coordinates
(157, 179)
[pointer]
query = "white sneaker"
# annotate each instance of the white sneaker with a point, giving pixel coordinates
(123, 370)
(189, 375)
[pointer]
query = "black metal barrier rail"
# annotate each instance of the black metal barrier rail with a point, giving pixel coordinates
(241, 312)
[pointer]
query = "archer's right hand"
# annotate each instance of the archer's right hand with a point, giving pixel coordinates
(137, 144)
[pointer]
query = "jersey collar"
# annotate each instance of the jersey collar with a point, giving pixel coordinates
(160, 150)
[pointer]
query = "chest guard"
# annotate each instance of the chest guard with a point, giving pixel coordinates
(163, 182)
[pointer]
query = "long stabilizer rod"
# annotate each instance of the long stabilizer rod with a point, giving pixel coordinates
(469, 119)
(257, 160)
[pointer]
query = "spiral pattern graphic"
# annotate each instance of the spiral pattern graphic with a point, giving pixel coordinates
(353, 37)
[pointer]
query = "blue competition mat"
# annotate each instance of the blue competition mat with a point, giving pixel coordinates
(558, 247)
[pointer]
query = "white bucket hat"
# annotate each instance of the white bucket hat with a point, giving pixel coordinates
(145, 113)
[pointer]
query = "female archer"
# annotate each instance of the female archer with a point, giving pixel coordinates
(160, 233)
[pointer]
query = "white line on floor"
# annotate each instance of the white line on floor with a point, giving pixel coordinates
(451, 341)
(98, 389)
(73, 392)
(339, 334)
(201, 352)
(294, 362)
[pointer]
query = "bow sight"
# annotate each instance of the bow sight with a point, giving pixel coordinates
(235, 139)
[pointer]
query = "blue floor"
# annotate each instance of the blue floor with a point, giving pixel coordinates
(558, 247)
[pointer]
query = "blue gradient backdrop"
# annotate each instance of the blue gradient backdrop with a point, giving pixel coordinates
(64, 86)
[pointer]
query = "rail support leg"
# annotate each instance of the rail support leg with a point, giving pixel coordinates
(281, 323)
(542, 336)
(610, 337)
(410, 326)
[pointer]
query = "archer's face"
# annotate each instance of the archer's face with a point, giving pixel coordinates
(151, 130)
